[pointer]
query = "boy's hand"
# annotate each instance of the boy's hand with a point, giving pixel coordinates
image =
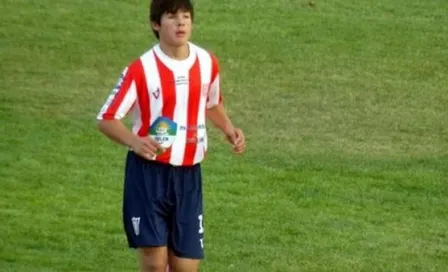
(146, 147)
(236, 138)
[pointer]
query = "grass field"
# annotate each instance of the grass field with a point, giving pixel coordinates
(345, 107)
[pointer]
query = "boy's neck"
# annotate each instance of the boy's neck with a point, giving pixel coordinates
(175, 52)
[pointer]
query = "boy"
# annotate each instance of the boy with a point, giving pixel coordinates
(170, 90)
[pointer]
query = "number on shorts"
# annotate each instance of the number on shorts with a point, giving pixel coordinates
(201, 226)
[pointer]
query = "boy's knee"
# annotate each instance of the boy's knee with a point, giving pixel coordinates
(153, 260)
(155, 267)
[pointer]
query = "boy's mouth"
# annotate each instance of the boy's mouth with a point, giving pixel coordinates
(180, 33)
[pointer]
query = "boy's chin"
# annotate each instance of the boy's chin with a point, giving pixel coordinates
(179, 41)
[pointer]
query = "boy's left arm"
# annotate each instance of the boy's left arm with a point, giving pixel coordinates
(218, 116)
(216, 112)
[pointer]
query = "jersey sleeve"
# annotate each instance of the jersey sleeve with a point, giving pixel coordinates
(121, 99)
(214, 96)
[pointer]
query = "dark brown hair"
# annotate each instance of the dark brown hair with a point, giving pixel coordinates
(160, 7)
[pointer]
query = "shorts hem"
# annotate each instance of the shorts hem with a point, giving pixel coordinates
(134, 246)
(187, 256)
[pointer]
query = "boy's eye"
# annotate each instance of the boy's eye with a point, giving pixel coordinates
(185, 15)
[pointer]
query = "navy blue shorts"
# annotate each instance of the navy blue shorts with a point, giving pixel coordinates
(162, 206)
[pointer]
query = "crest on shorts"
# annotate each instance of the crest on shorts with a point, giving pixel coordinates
(136, 225)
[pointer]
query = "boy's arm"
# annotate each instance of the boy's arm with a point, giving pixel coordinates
(217, 113)
(218, 116)
(117, 132)
(118, 104)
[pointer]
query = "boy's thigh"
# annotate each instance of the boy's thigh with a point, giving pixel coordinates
(145, 210)
(177, 264)
(187, 220)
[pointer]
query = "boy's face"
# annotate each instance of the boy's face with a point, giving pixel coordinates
(175, 28)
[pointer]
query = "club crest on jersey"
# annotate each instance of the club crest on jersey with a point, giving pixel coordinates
(164, 131)
(205, 89)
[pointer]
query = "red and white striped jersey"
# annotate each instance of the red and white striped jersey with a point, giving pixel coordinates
(156, 85)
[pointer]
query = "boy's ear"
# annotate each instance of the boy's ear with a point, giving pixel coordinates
(155, 26)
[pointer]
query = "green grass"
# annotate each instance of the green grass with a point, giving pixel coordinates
(345, 109)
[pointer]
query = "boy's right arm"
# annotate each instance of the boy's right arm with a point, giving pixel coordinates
(118, 104)
(116, 131)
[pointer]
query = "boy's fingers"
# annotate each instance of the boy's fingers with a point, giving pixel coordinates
(154, 145)
(239, 151)
(239, 137)
(147, 151)
(239, 141)
(239, 148)
(149, 147)
(146, 154)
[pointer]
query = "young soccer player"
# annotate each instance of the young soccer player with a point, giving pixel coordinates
(170, 91)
